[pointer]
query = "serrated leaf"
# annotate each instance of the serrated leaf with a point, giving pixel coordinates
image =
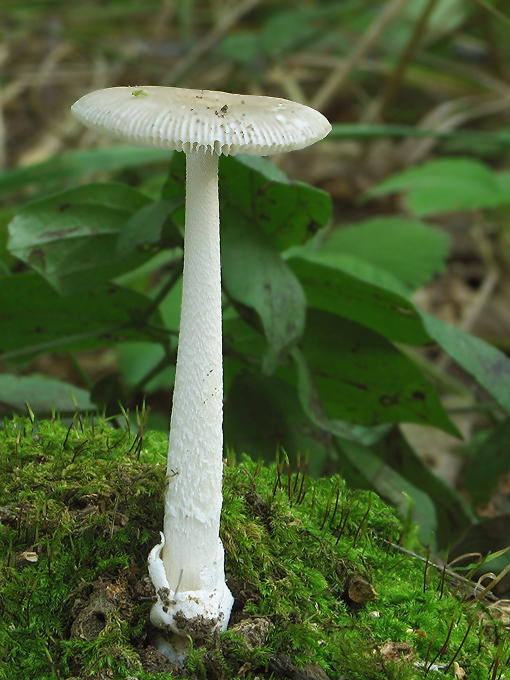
(70, 237)
(34, 318)
(43, 395)
(255, 275)
(445, 185)
(410, 250)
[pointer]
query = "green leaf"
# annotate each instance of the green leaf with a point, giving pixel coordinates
(383, 311)
(260, 166)
(314, 408)
(34, 318)
(241, 47)
(289, 212)
(43, 395)
(263, 415)
(473, 140)
(70, 166)
(352, 265)
(241, 338)
(503, 180)
(144, 229)
(175, 185)
(290, 30)
(70, 237)
(137, 360)
(6, 216)
(489, 366)
(398, 320)
(410, 250)
(360, 377)
(255, 275)
(490, 462)
(445, 185)
(299, 26)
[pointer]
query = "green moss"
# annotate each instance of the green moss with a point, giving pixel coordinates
(81, 507)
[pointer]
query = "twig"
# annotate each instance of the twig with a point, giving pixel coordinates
(450, 115)
(493, 10)
(339, 76)
(290, 84)
(4, 53)
(394, 83)
(441, 568)
(58, 342)
(209, 40)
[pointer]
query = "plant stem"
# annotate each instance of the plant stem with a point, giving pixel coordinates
(397, 76)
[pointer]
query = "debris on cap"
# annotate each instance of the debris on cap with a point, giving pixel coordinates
(201, 120)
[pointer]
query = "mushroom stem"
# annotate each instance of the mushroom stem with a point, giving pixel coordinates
(187, 568)
(194, 472)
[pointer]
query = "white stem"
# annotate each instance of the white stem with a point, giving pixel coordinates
(192, 553)
(193, 496)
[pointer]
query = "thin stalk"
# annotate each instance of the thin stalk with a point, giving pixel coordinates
(57, 343)
(209, 40)
(494, 11)
(394, 83)
(194, 494)
(337, 79)
(167, 360)
(368, 131)
(164, 290)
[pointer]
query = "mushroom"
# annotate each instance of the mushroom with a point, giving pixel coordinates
(187, 567)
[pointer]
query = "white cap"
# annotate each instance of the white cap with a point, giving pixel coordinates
(201, 120)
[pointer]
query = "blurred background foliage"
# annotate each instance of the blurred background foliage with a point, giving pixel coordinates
(390, 251)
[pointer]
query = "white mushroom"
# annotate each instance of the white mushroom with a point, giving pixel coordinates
(187, 566)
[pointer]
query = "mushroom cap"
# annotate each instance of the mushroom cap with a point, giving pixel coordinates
(201, 120)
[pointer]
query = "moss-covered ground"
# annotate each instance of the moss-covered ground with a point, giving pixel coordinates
(319, 592)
